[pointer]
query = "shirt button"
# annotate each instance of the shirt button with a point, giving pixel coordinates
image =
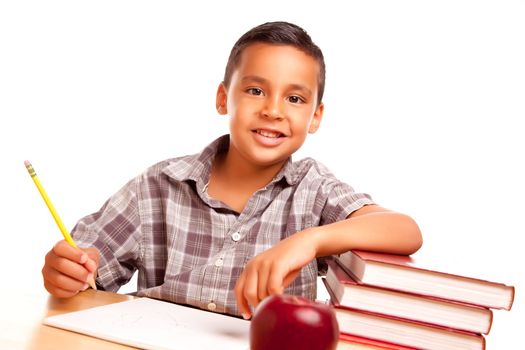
(218, 262)
(236, 236)
(212, 306)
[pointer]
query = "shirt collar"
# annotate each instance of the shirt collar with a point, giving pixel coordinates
(197, 167)
(287, 172)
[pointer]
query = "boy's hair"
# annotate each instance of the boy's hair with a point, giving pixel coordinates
(278, 33)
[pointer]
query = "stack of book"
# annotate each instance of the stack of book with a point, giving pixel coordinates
(385, 301)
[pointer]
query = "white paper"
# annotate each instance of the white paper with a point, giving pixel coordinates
(153, 324)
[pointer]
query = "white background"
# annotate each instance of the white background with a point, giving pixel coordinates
(423, 108)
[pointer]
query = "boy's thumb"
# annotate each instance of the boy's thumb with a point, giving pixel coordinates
(93, 261)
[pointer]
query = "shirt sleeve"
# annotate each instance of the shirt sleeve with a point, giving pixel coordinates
(341, 201)
(115, 231)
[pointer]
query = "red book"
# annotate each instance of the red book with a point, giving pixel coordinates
(400, 272)
(403, 332)
(352, 342)
(347, 292)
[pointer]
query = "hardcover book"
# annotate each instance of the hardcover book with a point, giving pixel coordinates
(352, 342)
(347, 292)
(404, 332)
(403, 273)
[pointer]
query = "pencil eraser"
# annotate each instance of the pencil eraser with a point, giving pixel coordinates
(26, 163)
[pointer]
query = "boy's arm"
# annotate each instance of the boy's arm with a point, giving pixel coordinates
(109, 246)
(370, 228)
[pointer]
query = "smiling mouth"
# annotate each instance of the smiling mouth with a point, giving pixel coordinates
(269, 134)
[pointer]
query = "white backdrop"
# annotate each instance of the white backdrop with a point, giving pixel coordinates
(423, 97)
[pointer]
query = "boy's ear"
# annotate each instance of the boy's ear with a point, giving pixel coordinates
(221, 99)
(316, 119)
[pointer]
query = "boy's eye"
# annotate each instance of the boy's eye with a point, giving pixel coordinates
(295, 99)
(254, 91)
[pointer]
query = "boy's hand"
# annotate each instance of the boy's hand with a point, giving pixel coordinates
(273, 270)
(67, 269)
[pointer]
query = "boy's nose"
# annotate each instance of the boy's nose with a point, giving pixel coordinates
(273, 109)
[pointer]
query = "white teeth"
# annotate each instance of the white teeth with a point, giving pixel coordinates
(270, 134)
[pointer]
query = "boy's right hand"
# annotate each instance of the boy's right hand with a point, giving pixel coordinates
(67, 269)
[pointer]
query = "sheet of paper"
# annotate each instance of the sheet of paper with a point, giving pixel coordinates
(153, 324)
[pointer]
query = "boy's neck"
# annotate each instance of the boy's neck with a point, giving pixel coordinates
(233, 180)
(235, 169)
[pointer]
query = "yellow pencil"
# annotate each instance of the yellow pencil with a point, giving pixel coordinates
(53, 211)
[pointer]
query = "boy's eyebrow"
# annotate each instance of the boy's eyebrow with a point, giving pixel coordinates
(261, 80)
(302, 88)
(254, 78)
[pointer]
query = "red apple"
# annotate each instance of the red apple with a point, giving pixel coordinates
(290, 322)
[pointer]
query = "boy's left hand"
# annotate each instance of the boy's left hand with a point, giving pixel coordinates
(273, 270)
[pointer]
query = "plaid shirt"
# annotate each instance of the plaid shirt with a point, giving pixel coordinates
(189, 248)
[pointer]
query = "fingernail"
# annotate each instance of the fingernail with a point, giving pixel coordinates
(245, 316)
(84, 287)
(83, 258)
(89, 277)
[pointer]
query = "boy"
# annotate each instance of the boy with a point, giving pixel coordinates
(225, 228)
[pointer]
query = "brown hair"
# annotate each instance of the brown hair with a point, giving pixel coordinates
(279, 33)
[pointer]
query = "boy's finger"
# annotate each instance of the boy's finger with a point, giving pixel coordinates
(290, 277)
(67, 267)
(57, 291)
(275, 281)
(93, 259)
(92, 253)
(250, 289)
(55, 279)
(63, 249)
(91, 266)
(262, 283)
(241, 300)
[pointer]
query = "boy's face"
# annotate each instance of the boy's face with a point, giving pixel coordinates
(272, 102)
